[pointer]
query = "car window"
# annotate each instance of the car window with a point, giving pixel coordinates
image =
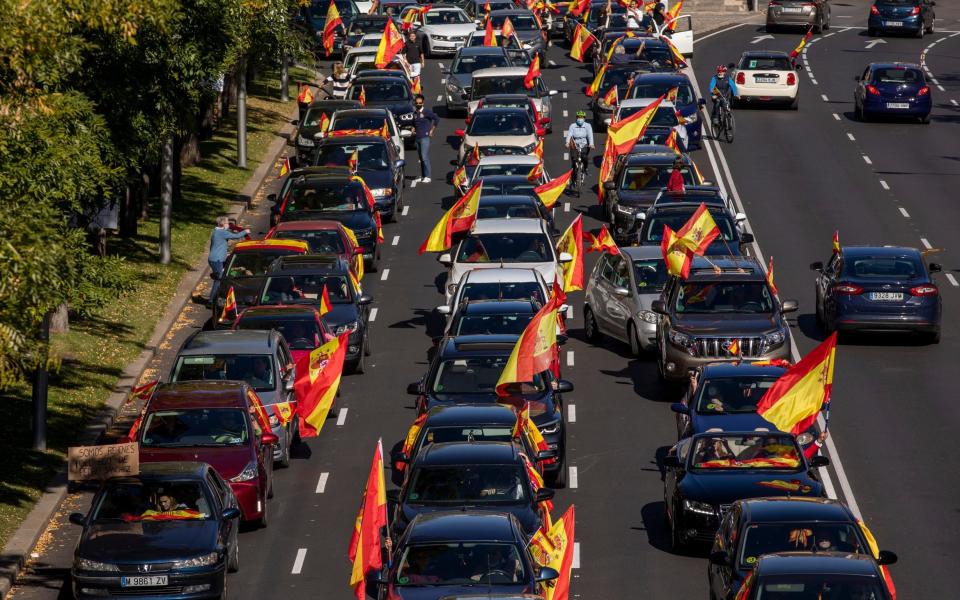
(256, 369)
(520, 22)
(514, 210)
(509, 324)
(898, 75)
(489, 170)
(301, 333)
(250, 264)
(685, 94)
(902, 267)
(736, 451)
(507, 189)
(751, 297)
(621, 275)
(502, 291)
(774, 63)
(513, 84)
(767, 538)
(152, 501)
(477, 376)
(732, 395)
(455, 563)
(380, 90)
(650, 275)
(484, 433)
(505, 247)
(306, 289)
(219, 500)
(607, 270)
(446, 17)
(471, 63)
(332, 198)
(195, 427)
(320, 241)
(500, 123)
(819, 586)
(368, 156)
(467, 484)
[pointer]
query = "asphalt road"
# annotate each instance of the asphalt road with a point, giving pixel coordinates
(799, 176)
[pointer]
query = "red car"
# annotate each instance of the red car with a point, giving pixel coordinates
(211, 422)
(324, 237)
(300, 325)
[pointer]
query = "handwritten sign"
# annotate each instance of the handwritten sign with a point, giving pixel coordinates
(86, 463)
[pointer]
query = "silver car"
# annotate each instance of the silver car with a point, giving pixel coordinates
(509, 80)
(442, 29)
(618, 297)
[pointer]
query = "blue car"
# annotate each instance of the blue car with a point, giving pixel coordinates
(914, 17)
(654, 85)
(893, 90)
(886, 288)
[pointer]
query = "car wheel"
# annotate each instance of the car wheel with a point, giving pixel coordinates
(635, 348)
(263, 520)
(931, 28)
(677, 543)
(933, 337)
(795, 103)
(366, 344)
(559, 481)
(919, 33)
(427, 52)
(818, 310)
(864, 115)
(925, 119)
(284, 461)
(233, 565)
(590, 329)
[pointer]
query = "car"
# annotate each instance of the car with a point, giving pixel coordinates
(131, 545)
(362, 25)
(666, 117)
(496, 284)
(510, 165)
(353, 56)
(495, 243)
(892, 90)
(212, 422)
(309, 126)
(514, 48)
(442, 29)
(498, 127)
(507, 185)
(261, 358)
(370, 40)
(914, 17)
(243, 273)
(618, 296)
(515, 101)
(366, 61)
(878, 288)
(370, 118)
(766, 77)
(301, 283)
(389, 93)
(315, 16)
(330, 193)
(301, 326)
(710, 195)
(808, 14)
(657, 57)
(465, 369)
(532, 34)
(654, 85)
(707, 472)
(614, 75)
(725, 300)
(589, 18)
(477, 9)
(759, 526)
(456, 551)
(480, 474)
(813, 573)
(378, 164)
(324, 238)
(509, 80)
(523, 206)
(492, 317)
(730, 242)
(456, 87)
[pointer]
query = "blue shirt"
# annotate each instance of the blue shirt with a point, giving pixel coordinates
(719, 84)
(424, 121)
(218, 243)
(582, 135)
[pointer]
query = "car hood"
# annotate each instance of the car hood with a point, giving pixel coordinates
(524, 512)
(376, 178)
(725, 325)
(228, 460)
(148, 541)
(436, 592)
(547, 269)
(731, 422)
(520, 141)
(341, 314)
(463, 29)
(397, 108)
(725, 488)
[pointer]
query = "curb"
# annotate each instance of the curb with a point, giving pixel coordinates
(18, 548)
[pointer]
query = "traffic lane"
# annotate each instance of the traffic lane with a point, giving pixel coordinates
(796, 228)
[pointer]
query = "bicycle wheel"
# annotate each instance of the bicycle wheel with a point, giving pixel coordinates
(729, 128)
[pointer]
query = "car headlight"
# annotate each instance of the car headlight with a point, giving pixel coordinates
(804, 438)
(680, 339)
(199, 561)
(302, 141)
(451, 288)
(249, 472)
(529, 148)
(84, 564)
(274, 421)
(625, 209)
(772, 340)
(698, 507)
(441, 38)
(549, 428)
(379, 192)
(527, 46)
(453, 88)
(351, 327)
(649, 316)
(406, 117)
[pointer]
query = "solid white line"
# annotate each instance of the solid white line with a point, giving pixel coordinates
(867, 160)
(298, 562)
(572, 481)
(934, 81)
(342, 416)
(405, 210)
(825, 99)
(563, 78)
(570, 358)
(385, 274)
(566, 207)
(926, 243)
(322, 484)
(884, 185)
(851, 138)
(576, 555)
(836, 116)
(373, 314)
(829, 34)
(904, 212)
(827, 483)
(841, 473)
(396, 240)
(572, 408)
(952, 280)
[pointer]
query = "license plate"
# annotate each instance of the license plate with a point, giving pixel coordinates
(792, 9)
(893, 23)
(898, 105)
(888, 296)
(143, 581)
(765, 79)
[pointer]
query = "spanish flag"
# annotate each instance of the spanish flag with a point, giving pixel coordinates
(486, 7)
(379, 222)
(355, 280)
(533, 71)
(318, 379)
(488, 38)
(571, 242)
(353, 161)
(357, 258)
(229, 305)
(536, 173)
(734, 348)
(582, 39)
(285, 166)
(256, 405)
(390, 44)
(747, 586)
(793, 402)
(678, 58)
(325, 304)
(672, 15)
(142, 392)
(606, 166)
(474, 158)
(698, 232)
(577, 7)
(283, 411)
(460, 176)
(594, 87)
(675, 256)
(410, 440)
(673, 142)
(625, 132)
(875, 551)
(362, 98)
(305, 96)
(773, 286)
(602, 242)
(538, 149)
(803, 42)
(416, 88)
(836, 242)
(324, 123)
(534, 351)
(555, 550)
(364, 551)
(330, 27)
(460, 217)
(610, 98)
(385, 130)
(507, 29)
(551, 191)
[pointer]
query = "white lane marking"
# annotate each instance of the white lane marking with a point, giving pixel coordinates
(840, 17)
(809, 73)
(825, 99)
(926, 243)
(405, 210)
(952, 280)
(867, 160)
(552, 63)
(569, 309)
(814, 82)
(837, 465)
(385, 274)
(760, 38)
(440, 64)
(873, 43)
(566, 207)
(570, 358)
(572, 480)
(934, 81)
(576, 555)
(904, 212)
(322, 484)
(572, 408)
(439, 97)
(851, 138)
(953, 102)
(827, 483)
(414, 183)
(566, 113)
(563, 78)
(718, 32)
(564, 95)
(829, 34)
(941, 88)
(342, 416)
(298, 562)
(396, 240)
(836, 116)
(566, 156)
(884, 185)
(373, 314)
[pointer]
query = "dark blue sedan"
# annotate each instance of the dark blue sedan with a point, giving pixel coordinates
(892, 90)
(887, 288)
(654, 85)
(912, 17)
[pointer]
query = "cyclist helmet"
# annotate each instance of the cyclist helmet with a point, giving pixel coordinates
(581, 113)
(721, 69)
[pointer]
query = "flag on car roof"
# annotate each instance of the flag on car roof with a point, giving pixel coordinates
(551, 191)
(571, 242)
(229, 305)
(676, 257)
(142, 392)
(390, 44)
(460, 217)
(507, 29)
(795, 399)
(318, 379)
(673, 142)
(364, 549)
(538, 149)
(357, 258)
(533, 71)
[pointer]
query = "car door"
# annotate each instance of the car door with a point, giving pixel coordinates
(825, 281)
(227, 500)
(285, 368)
(682, 36)
(601, 293)
(619, 302)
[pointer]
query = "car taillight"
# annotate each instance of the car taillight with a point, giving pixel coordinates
(774, 3)
(741, 78)
(873, 90)
(874, 10)
(791, 79)
(923, 91)
(468, 119)
(915, 10)
(847, 289)
(924, 290)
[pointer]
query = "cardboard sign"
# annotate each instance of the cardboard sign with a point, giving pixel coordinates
(96, 463)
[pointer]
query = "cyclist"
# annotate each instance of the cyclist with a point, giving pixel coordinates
(580, 141)
(722, 89)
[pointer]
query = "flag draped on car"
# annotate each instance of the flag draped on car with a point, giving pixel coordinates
(551, 191)
(571, 242)
(555, 550)
(460, 217)
(534, 351)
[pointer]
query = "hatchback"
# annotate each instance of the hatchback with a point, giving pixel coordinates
(914, 17)
(893, 90)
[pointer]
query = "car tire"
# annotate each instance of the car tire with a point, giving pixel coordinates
(932, 29)
(284, 461)
(367, 351)
(636, 349)
(427, 51)
(925, 119)
(233, 563)
(932, 337)
(559, 481)
(864, 115)
(795, 103)
(677, 543)
(919, 33)
(590, 329)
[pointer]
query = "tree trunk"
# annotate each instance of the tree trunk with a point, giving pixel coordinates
(60, 319)
(178, 149)
(166, 198)
(284, 78)
(144, 194)
(242, 115)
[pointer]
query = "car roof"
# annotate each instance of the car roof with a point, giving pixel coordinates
(509, 159)
(503, 274)
(483, 226)
(467, 414)
(308, 263)
(469, 453)
(198, 394)
(816, 563)
(361, 112)
(499, 307)
(372, 73)
(478, 346)
(743, 268)
(500, 72)
(244, 341)
(645, 102)
(377, 78)
(327, 175)
(653, 158)
(661, 78)
(879, 251)
(739, 369)
(461, 526)
(510, 12)
(769, 510)
(642, 252)
(342, 140)
(506, 97)
(481, 50)
(308, 225)
(511, 200)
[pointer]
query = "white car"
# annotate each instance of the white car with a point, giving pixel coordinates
(767, 76)
(495, 243)
(510, 127)
(508, 164)
(442, 29)
(509, 80)
(505, 283)
(369, 118)
(354, 54)
(666, 115)
(682, 35)
(367, 62)
(370, 40)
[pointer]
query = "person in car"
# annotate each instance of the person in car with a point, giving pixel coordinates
(419, 570)
(260, 378)
(675, 183)
(166, 502)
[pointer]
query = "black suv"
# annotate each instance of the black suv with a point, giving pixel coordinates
(377, 163)
(674, 215)
(305, 139)
(723, 301)
(392, 93)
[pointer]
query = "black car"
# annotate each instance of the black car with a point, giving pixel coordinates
(656, 57)
(377, 163)
(349, 308)
(817, 575)
(529, 32)
(753, 528)
(171, 528)
(730, 242)
(465, 369)
(615, 75)
(707, 472)
(515, 206)
(879, 288)
(454, 553)
(460, 75)
(507, 185)
(386, 92)
(331, 193)
(362, 25)
(492, 317)
(484, 475)
(305, 138)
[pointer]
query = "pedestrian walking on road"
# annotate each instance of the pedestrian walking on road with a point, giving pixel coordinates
(425, 122)
(413, 52)
(218, 251)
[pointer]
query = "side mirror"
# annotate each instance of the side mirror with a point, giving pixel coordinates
(565, 257)
(230, 513)
(443, 309)
(789, 306)
(935, 267)
(680, 408)
(886, 558)
(671, 462)
(364, 299)
(816, 266)
(272, 198)
(541, 131)
(269, 439)
(740, 217)
(459, 132)
(413, 388)
(818, 461)
(400, 163)
(295, 122)
(746, 238)
(445, 259)
(546, 574)
(621, 291)
(393, 495)
(658, 307)
(543, 494)
(553, 92)
(609, 185)
(719, 558)
(564, 386)
(78, 519)
(546, 455)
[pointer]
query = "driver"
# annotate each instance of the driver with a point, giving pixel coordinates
(716, 449)
(167, 502)
(260, 378)
(495, 561)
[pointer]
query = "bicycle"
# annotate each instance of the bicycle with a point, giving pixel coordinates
(579, 170)
(725, 123)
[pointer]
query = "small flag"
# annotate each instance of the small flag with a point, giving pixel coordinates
(362, 98)
(306, 96)
(285, 166)
(536, 173)
(229, 305)
(379, 222)
(551, 191)
(142, 392)
(325, 304)
(533, 72)
(611, 99)
(283, 411)
(773, 286)
(836, 242)
(538, 149)
(324, 123)
(803, 42)
(353, 161)
(602, 242)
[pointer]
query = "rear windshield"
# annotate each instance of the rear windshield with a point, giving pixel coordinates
(446, 17)
(646, 177)
(480, 433)
(505, 169)
(372, 157)
(467, 484)
(655, 90)
(305, 289)
(255, 369)
(768, 538)
(515, 210)
(381, 90)
(732, 394)
(897, 75)
(251, 264)
(212, 427)
(359, 122)
(484, 86)
(320, 241)
(500, 123)
(509, 324)
(903, 267)
(520, 22)
(367, 25)
(300, 333)
(774, 63)
(469, 64)
(503, 291)
(478, 376)
(653, 229)
(507, 189)
(505, 247)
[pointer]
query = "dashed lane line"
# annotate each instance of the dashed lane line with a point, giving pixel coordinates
(405, 210)
(569, 306)
(322, 483)
(814, 82)
(563, 78)
(570, 361)
(373, 314)
(926, 243)
(952, 280)
(385, 274)
(836, 117)
(572, 480)
(439, 97)
(576, 555)
(566, 113)
(825, 99)
(572, 408)
(414, 183)
(566, 207)
(552, 63)
(440, 64)
(904, 212)
(851, 138)
(298, 562)
(564, 95)
(954, 102)
(867, 160)
(396, 240)
(342, 416)
(884, 185)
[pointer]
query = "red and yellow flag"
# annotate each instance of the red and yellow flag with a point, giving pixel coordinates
(385, 130)
(672, 15)
(357, 258)
(371, 203)
(285, 166)
(486, 7)
(488, 38)
(507, 29)
(362, 98)
(460, 176)
(306, 95)
(318, 379)
(582, 39)
(538, 149)
(230, 304)
(353, 161)
(698, 232)
(460, 217)
(325, 304)
(474, 158)
(324, 123)
(744, 592)
(390, 44)
(410, 440)
(678, 58)
(533, 71)
(379, 222)
(677, 258)
(142, 392)
(610, 98)
(330, 27)
(536, 173)
(793, 402)
(606, 166)
(803, 42)
(625, 132)
(673, 142)
(577, 7)
(555, 550)
(534, 351)
(875, 551)
(836, 242)
(551, 191)
(571, 242)
(256, 405)
(416, 87)
(283, 411)
(364, 550)
(602, 242)
(594, 87)
(773, 286)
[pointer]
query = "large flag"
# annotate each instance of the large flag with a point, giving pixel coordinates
(507, 29)
(602, 242)
(610, 98)
(803, 42)
(488, 37)
(533, 71)
(390, 44)
(460, 217)
(875, 551)
(773, 286)
(678, 58)
(625, 132)
(582, 39)
(606, 166)
(229, 305)
(551, 191)
(675, 256)
(318, 379)
(793, 402)
(595, 86)
(534, 351)
(571, 242)
(673, 142)
(555, 550)
(263, 417)
(698, 232)
(364, 549)
(330, 27)
(672, 15)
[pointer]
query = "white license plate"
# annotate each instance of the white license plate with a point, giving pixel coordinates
(792, 9)
(893, 23)
(888, 296)
(143, 581)
(765, 79)
(898, 105)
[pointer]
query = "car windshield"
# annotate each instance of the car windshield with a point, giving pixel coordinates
(899, 267)
(370, 42)
(367, 25)
(478, 376)
(313, 116)
(212, 427)
(653, 177)
(368, 122)
(391, 90)
(653, 229)
(666, 116)
(306, 289)
(524, 290)
(499, 123)
(460, 563)
(732, 394)
(507, 189)
(321, 241)
(489, 170)
(617, 77)
(372, 157)
(251, 264)
(738, 452)
(446, 17)
(651, 52)
(655, 90)
(327, 198)
(471, 63)
(514, 210)
(477, 40)
(768, 538)
(255, 369)
(773, 63)
(898, 75)
(509, 84)
(301, 333)
(651, 275)
(817, 587)
(512, 324)
(467, 484)
(749, 297)
(133, 501)
(505, 247)
(479, 433)
(520, 22)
